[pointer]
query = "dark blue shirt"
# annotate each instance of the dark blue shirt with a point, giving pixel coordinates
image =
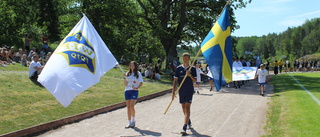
(187, 86)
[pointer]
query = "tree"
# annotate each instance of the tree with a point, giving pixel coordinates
(177, 22)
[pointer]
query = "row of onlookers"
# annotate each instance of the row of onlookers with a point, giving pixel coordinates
(24, 57)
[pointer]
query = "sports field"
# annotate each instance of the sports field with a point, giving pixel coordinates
(293, 112)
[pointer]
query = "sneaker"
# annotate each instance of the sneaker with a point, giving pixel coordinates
(228, 86)
(211, 89)
(263, 95)
(128, 126)
(184, 130)
(133, 124)
(198, 92)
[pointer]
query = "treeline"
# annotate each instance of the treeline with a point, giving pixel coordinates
(132, 28)
(115, 21)
(293, 43)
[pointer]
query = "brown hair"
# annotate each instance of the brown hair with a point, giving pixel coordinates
(135, 70)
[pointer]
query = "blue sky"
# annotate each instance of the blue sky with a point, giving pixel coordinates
(262, 17)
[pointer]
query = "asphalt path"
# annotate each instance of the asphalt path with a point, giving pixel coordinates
(228, 113)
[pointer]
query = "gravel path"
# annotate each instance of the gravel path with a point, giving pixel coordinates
(230, 113)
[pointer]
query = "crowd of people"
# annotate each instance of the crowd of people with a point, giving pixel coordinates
(298, 66)
(33, 57)
(11, 55)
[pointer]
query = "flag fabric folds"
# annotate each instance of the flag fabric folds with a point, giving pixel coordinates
(217, 50)
(78, 63)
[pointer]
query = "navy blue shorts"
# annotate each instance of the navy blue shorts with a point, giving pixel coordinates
(131, 94)
(210, 78)
(262, 84)
(185, 99)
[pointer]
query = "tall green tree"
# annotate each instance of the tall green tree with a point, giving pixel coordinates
(177, 22)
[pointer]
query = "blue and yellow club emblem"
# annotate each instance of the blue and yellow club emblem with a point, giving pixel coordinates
(78, 52)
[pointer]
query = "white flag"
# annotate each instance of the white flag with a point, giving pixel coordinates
(77, 63)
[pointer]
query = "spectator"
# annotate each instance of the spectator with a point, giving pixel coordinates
(237, 64)
(48, 56)
(5, 55)
(24, 61)
(275, 69)
(27, 42)
(267, 65)
(295, 65)
(280, 64)
(147, 72)
(315, 65)
(122, 60)
(157, 76)
(18, 55)
(288, 65)
(169, 71)
(11, 53)
(43, 53)
(35, 69)
(248, 63)
(176, 62)
(45, 47)
(156, 68)
(44, 38)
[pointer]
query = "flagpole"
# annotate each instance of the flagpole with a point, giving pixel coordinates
(120, 67)
(184, 78)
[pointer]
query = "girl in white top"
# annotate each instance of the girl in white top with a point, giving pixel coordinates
(199, 72)
(133, 81)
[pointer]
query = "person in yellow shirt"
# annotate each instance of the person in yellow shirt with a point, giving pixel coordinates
(280, 64)
(276, 64)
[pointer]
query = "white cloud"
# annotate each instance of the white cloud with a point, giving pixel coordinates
(305, 15)
(298, 20)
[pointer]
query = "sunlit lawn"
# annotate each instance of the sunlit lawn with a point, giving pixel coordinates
(23, 104)
(292, 111)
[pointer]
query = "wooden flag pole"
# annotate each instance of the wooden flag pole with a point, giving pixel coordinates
(184, 78)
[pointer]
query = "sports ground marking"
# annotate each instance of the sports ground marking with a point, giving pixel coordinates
(312, 96)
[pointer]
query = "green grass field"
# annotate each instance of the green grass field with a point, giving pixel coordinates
(23, 104)
(292, 111)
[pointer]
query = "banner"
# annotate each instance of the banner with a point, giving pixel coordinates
(77, 63)
(244, 73)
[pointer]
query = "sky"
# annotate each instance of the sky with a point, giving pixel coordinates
(262, 17)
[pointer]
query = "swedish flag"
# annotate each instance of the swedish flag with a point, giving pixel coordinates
(217, 50)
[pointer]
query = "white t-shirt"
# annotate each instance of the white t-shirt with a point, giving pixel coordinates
(248, 64)
(133, 81)
(146, 73)
(237, 64)
(198, 74)
(31, 67)
(262, 75)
